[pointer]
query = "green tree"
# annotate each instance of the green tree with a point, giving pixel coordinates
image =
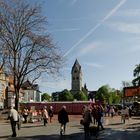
(65, 95)
(45, 97)
(85, 91)
(103, 94)
(26, 50)
(116, 97)
(80, 96)
(136, 73)
(109, 95)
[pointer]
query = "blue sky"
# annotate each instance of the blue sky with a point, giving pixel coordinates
(104, 35)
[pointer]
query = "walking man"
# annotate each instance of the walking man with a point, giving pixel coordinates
(63, 119)
(99, 117)
(13, 116)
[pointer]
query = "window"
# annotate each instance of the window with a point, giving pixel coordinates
(75, 71)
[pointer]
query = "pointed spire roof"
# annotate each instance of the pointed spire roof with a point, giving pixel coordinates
(76, 65)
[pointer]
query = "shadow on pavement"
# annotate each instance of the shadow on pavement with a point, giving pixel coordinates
(30, 126)
(75, 136)
(120, 134)
(2, 137)
(115, 123)
(134, 126)
(136, 118)
(107, 134)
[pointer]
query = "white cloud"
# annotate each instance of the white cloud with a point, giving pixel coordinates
(73, 2)
(60, 84)
(88, 48)
(55, 85)
(129, 13)
(133, 28)
(93, 29)
(90, 64)
(65, 30)
(135, 48)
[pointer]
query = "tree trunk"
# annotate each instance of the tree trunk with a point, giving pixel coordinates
(17, 104)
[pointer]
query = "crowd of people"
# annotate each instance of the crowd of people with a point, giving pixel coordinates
(16, 118)
(46, 115)
(95, 114)
(90, 114)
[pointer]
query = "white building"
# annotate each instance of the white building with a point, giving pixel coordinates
(30, 92)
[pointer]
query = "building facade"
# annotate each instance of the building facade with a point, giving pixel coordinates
(3, 85)
(30, 92)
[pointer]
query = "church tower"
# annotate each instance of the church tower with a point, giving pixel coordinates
(76, 76)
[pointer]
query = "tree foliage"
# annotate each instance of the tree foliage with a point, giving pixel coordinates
(136, 73)
(45, 97)
(80, 96)
(85, 91)
(103, 94)
(117, 97)
(107, 95)
(26, 50)
(65, 95)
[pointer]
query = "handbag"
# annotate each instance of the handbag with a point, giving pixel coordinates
(82, 122)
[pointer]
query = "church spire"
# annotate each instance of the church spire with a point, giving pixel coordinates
(76, 65)
(76, 76)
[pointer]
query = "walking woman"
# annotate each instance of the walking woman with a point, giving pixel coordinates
(50, 113)
(87, 119)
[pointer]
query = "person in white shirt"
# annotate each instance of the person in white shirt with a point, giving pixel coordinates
(45, 115)
(124, 114)
(13, 116)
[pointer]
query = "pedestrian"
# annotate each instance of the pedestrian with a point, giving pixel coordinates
(19, 121)
(105, 110)
(87, 119)
(130, 111)
(94, 114)
(13, 116)
(124, 114)
(112, 111)
(99, 118)
(25, 114)
(63, 119)
(45, 115)
(50, 112)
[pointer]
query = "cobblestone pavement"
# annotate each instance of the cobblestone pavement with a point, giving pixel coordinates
(114, 130)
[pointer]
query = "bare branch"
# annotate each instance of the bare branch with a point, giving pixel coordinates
(25, 49)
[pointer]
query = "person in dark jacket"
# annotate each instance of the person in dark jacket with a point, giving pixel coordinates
(50, 113)
(63, 119)
(99, 117)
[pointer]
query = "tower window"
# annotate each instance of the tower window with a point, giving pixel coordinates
(75, 71)
(77, 78)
